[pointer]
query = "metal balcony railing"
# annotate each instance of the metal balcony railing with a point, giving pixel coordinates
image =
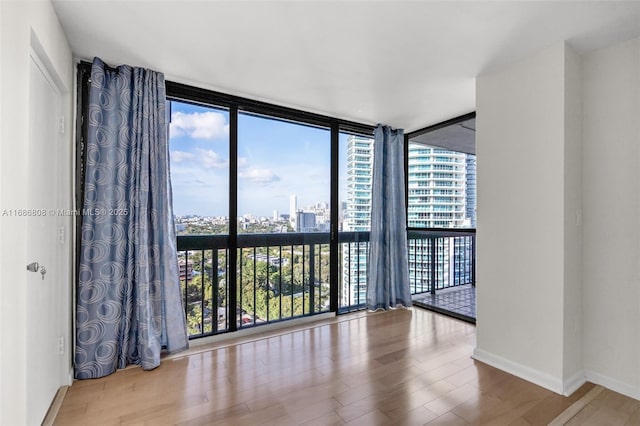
(278, 277)
(440, 259)
(284, 276)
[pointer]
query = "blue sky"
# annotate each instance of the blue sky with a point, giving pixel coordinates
(275, 160)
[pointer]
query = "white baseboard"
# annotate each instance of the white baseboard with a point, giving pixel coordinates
(613, 384)
(574, 382)
(529, 374)
(566, 387)
(52, 413)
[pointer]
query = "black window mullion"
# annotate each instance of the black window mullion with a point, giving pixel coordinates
(233, 214)
(333, 251)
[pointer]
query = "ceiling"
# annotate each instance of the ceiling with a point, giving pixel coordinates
(406, 64)
(459, 137)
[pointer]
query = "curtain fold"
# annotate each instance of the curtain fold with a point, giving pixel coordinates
(388, 267)
(129, 303)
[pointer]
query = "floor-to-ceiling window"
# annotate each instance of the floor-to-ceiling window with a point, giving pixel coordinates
(259, 220)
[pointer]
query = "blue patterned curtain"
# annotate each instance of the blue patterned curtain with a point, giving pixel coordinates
(129, 303)
(388, 267)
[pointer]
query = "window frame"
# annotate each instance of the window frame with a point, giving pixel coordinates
(236, 105)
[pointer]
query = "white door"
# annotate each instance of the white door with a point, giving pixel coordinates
(45, 292)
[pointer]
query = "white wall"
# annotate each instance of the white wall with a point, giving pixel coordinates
(572, 374)
(528, 255)
(2, 379)
(612, 217)
(21, 23)
(558, 272)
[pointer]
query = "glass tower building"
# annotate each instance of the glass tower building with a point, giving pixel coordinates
(357, 218)
(437, 182)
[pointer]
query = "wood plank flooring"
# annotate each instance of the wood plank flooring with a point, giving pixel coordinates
(608, 408)
(404, 367)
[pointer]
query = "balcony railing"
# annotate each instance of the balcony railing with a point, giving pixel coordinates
(284, 276)
(278, 277)
(353, 252)
(440, 259)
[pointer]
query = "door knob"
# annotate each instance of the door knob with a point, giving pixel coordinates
(35, 266)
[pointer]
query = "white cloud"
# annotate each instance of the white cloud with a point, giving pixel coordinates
(259, 176)
(180, 156)
(199, 125)
(212, 160)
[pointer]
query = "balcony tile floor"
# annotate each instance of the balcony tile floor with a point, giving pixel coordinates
(458, 302)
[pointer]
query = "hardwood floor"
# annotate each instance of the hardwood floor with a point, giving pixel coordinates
(608, 408)
(401, 367)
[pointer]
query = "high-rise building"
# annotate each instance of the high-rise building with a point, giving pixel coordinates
(359, 179)
(436, 181)
(293, 209)
(305, 221)
(357, 217)
(470, 190)
(342, 213)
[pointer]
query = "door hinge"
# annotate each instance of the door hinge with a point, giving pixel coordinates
(61, 124)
